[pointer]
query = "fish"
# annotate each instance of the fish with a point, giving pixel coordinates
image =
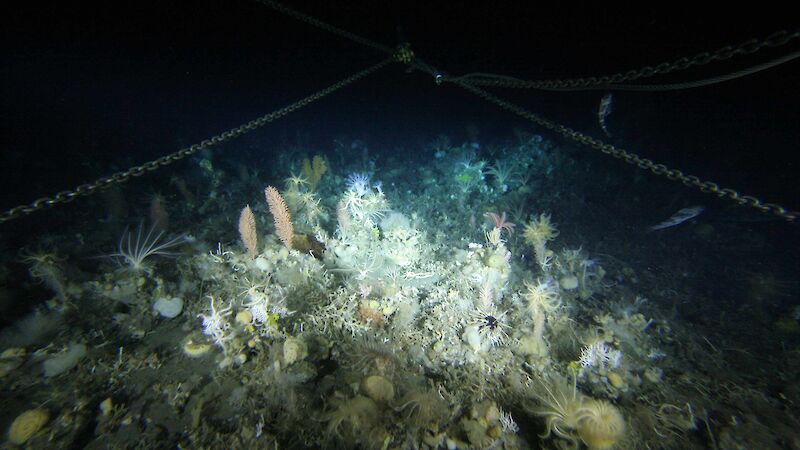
(603, 111)
(679, 217)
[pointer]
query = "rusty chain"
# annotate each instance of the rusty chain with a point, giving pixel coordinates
(121, 177)
(638, 161)
(776, 39)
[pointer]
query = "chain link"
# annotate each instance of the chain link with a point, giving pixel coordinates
(470, 83)
(405, 55)
(776, 39)
(634, 159)
(325, 26)
(121, 177)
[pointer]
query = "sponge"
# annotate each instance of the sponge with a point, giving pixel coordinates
(26, 425)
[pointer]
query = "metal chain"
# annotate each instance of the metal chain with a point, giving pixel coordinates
(137, 171)
(703, 82)
(470, 83)
(325, 26)
(776, 39)
(638, 161)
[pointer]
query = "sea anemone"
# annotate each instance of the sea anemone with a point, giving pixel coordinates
(542, 295)
(352, 417)
(570, 416)
(540, 230)
(562, 408)
(424, 407)
(371, 353)
(601, 425)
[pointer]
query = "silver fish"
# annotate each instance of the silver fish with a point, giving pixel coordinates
(679, 217)
(603, 111)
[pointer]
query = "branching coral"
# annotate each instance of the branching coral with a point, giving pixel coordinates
(216, 324)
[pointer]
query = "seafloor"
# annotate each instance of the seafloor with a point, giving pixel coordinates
(452, 295)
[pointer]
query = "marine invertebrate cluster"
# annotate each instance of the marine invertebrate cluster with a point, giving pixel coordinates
(403, 331)
(364, 202)
(264, 309)
(461, 313)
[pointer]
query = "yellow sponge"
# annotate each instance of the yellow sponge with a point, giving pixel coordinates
(26, 425)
